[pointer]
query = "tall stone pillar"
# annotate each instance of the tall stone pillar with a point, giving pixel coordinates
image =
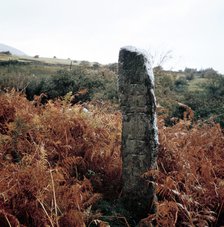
(139, 128)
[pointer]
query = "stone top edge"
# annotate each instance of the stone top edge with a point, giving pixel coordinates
(135, 50)
(147, 62)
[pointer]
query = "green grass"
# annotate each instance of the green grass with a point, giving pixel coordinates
(52, 61)
(197, 84)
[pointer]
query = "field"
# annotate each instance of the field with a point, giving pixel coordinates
(52, 61)
(42, 60)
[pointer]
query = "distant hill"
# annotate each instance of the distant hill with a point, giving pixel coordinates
(12, 50)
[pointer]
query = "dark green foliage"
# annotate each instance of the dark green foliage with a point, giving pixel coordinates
(180, 84)
(215, 86)
(35, 87)
(209, 73)
(9, 63)
(204, 73)
(190, 73)
(114, 213)
(62, 82)
(164, 89)
(206, 100)
(59, 85)
(56, 81)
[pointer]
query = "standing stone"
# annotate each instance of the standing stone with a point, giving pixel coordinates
(139, 129)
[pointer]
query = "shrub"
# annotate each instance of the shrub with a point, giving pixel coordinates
(180, 84)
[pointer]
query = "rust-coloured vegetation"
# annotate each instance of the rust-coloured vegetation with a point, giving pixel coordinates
(58, 160)
(190, 175)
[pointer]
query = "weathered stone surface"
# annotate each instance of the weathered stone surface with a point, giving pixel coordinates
(139, 131)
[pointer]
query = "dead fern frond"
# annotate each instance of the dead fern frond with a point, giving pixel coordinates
(60, 146)
(7, 219)
(95, 198)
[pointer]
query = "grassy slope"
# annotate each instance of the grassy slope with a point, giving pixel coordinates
(193, 84)
(44, 60)
(53, 61)
(196, 84)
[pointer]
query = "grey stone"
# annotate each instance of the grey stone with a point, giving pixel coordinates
(139, 130)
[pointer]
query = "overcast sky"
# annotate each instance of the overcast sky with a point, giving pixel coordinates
(94, 30)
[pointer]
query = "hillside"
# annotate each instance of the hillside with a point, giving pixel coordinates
(43, 60)
(68, 174)
(12, 50)
(201, 90)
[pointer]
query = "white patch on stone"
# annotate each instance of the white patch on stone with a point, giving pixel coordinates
(155, 128)
(149, 71)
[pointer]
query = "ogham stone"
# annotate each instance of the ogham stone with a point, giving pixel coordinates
(139, 128)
